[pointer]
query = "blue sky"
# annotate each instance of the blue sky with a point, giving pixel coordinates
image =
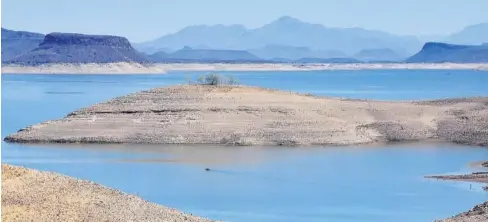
(141, 20)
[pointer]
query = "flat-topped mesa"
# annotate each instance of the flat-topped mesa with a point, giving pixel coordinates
(57, 38)
(79, 49)
(240, 115)
(436, 52)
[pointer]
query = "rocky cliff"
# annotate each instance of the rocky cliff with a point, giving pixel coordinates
(79, 48)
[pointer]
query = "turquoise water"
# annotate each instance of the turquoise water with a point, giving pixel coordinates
(256, 183)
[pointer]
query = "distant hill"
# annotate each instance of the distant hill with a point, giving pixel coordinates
(216, 37)
(292, 53)
(79, 48)
(471, 35)
(15, 43)
(329, 60)
(433, 52)
(190, 54)
(384, 54)
(285, 31)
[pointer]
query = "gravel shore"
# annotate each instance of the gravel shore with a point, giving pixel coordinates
(241, 115)
(31, 195)
(479, 213)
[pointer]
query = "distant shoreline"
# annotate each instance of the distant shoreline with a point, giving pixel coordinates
(160, 68)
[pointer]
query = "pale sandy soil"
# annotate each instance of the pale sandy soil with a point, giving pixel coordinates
(240, 115)
(134, 68)
(31, 195)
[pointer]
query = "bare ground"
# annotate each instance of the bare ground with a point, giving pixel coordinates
(240, 115)
(31, 195)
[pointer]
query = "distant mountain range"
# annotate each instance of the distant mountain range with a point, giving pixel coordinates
(293, 53)
(189, 54)
(433, 52)
(285, 31)
(285, 40)
(79, 48)
(386, 54)
(471, 35)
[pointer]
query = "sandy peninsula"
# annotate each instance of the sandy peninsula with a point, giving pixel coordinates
(158, 68)
(31, 195)
(480, 177)
(241, 115)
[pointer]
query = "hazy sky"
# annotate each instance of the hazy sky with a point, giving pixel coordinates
(141, 20)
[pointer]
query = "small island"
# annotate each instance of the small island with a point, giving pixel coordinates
(245, 116)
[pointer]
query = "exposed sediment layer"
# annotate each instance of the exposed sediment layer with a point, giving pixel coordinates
(31, 195)
(240, 115)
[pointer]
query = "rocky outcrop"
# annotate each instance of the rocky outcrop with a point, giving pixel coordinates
(433, 52)
(16, 43)
(31, 195)
(479, 213)
(239, 115)
(484, 164)
(79, 48)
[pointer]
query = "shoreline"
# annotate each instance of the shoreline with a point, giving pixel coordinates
(161, 68)
(477, 177)
(479, 212)
(33, 195)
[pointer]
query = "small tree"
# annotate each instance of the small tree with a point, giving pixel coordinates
(214, 79)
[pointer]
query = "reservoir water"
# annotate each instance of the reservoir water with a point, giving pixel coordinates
(337, 184)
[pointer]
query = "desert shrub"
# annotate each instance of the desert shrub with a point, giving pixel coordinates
(215, 79)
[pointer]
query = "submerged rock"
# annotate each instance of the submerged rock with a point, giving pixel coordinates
(484, 164)
(79, 48)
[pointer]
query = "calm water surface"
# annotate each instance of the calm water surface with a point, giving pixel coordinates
(255, 183)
